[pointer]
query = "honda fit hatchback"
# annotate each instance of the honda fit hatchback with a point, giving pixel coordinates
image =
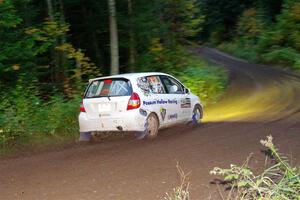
(142, 102)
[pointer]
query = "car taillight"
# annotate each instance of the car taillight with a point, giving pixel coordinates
(82, 109)
(134, 102)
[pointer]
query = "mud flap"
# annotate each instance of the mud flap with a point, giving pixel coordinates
(85, 136)
(194, 120)
(142, 134)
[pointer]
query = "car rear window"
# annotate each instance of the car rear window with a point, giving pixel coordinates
(109, 88)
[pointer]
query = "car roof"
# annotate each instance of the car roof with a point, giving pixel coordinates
(130, 75)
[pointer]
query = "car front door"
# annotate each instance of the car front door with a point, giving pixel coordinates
(176, 98)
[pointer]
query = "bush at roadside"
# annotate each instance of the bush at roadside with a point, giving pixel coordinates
(27, 119)
(205, 80)
(278, 182)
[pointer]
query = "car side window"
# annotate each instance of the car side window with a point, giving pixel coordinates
(156, 87)
(151, 84)
(172, 86)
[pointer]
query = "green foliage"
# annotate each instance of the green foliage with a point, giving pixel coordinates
(41, 51)
(183, 18)
(205, 80)
(221, 18)
(162, 58)
(284, 56)
(84, 67)
(282, 45)
(48, 52)
(269, 9)
(27, 119)
(246, 52)
(285, 33)
(160, 27)
(289, 24)
(8, 18)
(46, 35)
(279, 181)
(15, 47)
(273, 41)
(249, 27)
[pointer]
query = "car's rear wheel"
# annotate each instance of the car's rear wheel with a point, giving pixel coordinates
(152, 126)
(197, 115)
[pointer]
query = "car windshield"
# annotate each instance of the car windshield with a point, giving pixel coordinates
(109, 88)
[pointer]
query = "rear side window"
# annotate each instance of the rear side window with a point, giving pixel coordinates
(109, 87)
(150, 84)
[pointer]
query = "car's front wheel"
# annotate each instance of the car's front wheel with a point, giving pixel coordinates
(197, 115)
(152, 125)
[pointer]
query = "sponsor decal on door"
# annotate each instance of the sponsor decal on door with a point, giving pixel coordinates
(163, 113)
(160, 102)
(173, 116)
(186, 103)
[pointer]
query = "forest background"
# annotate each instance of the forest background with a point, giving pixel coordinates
(50, 48)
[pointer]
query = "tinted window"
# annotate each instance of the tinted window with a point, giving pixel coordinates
(172, 86)
(109, 87)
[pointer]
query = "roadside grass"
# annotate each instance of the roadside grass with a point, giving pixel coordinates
(180, 192)
(27, 121)
(204, 79)
(278, 181)
(248, 53)
(284, 57)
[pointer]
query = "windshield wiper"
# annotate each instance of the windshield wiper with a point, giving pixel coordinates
(106, 96)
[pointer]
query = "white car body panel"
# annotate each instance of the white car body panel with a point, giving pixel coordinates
(110, 113)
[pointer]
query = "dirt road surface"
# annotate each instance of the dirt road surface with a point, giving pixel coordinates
(260, 101)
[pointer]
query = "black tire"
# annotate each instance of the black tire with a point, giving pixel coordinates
(152, 126)
(197, 115)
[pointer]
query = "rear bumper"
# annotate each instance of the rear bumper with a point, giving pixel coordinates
(130, 120)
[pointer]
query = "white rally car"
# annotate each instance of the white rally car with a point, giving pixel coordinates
(142, 102)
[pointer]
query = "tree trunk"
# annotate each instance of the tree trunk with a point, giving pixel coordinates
(96, 49)
(62, 56)
(131, 39)
(50, 10)
(62, 10)
(59, 59)
(53, 56)
(114, 46)
(87, 15)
